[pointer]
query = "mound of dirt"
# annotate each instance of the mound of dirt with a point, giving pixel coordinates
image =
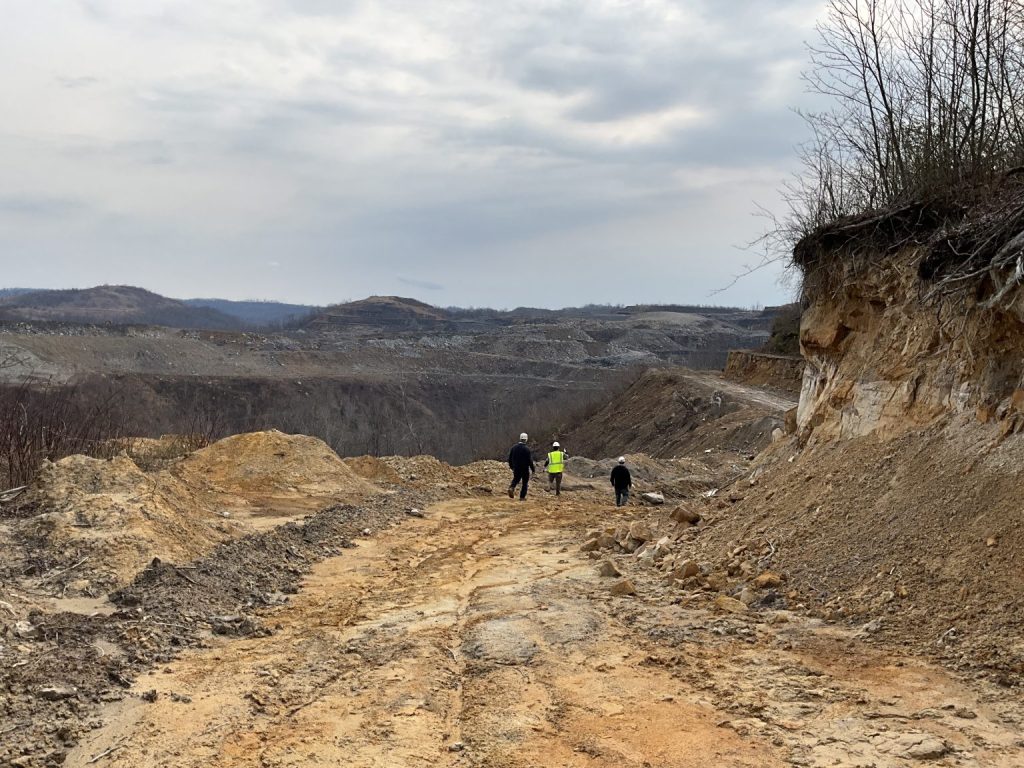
(373, 469)
(422, 471)
(89, 525)
(269, 470)
(917, 539)
(102, 520)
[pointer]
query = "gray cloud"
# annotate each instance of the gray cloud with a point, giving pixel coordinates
(389, 145)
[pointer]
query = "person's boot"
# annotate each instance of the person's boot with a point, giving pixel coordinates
(511, 493)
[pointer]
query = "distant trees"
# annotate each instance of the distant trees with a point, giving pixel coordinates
(926, 96)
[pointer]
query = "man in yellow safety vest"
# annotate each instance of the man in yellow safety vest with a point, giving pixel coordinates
(555, 462)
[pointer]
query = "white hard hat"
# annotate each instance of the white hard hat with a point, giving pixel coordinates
(555, 444)
(524, 437)
(622, 459)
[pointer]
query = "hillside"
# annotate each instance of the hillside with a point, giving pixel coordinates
(257, 313)
(110, 305)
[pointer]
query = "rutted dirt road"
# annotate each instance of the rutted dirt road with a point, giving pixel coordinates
(482, 636)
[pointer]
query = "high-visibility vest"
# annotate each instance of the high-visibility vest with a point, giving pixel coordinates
(556, 459)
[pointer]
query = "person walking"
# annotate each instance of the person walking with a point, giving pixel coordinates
(520, 461)
(622, 482)
(555, 463)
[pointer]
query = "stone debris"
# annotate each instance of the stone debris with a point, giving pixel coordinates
(623, 588)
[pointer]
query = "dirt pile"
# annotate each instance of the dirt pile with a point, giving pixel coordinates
(55, 669)
(97, 522)
(272, 471)
(88, 525)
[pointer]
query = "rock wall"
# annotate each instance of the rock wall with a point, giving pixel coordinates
(884, 356)
(763, 369)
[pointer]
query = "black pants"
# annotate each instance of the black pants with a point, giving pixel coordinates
(521, 474)
(621, 497)
(555, 479)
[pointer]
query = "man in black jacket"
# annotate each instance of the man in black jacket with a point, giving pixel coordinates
(622, 482)
(520, 460)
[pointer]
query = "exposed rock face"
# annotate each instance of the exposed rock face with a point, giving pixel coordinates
(880, 360)
(763, 369)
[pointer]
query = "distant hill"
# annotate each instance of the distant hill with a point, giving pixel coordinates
(111, 304)
(5, 292)
(394, 312)
(258, 313)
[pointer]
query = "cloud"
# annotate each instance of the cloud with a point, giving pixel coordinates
(426, 285)
(357, 141)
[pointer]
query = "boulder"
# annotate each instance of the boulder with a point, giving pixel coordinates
(688, 568)
(607, 568)
(640, 530)
(623, 588)
(662, 548)
(768, 580)
(729, 604)
(652, 497)
(684, 513)
(591, 545)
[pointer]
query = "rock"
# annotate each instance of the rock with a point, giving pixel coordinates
(640, 531)
(606, 541)
(991, 541)
(729, 604)
(718, 581)
(685, 514)
(591, 545)
(57, 692)
(687, 568)
(662, 548)
(25, 630)
(747, 596)
(631, 545)
(768, 580)
(920, 746)
(652, 497)
(735, 496)
(645, 554)
(414, 512)
(623, 588)
(777, 435)
(789, 421)
(872, 627)
(607, 568)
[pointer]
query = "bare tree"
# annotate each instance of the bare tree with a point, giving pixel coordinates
(925, 100)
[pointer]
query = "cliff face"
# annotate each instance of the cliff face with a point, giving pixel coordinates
(882, 359)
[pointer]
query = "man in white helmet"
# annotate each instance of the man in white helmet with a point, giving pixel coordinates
(621, 482)
(520, 461)
(555, 463)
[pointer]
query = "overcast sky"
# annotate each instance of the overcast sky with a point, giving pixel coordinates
(471, 152)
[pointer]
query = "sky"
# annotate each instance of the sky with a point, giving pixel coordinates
(471, 152)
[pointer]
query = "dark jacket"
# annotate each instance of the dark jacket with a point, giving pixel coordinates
(621, 478)
(521, 458)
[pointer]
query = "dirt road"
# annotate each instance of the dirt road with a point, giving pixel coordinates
(482, 636)
(772, 400)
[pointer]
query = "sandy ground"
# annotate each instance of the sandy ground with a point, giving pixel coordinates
(482, 636)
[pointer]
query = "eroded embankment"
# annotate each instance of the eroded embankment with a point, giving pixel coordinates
(896, 505)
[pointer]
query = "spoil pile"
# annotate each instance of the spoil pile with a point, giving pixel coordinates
(57, 668)
(265, 470)
(89, 525)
